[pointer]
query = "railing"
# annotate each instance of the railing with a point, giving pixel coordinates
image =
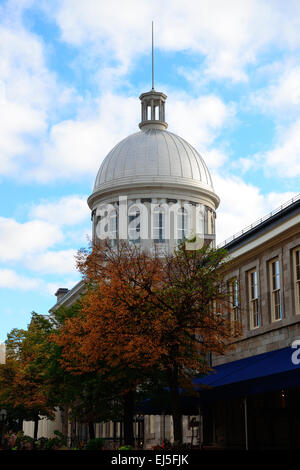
(258, 222)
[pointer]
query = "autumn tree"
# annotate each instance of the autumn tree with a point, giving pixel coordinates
(23, 387)
(195, 297)
(88, 397)
(96, 340)
(147, 311)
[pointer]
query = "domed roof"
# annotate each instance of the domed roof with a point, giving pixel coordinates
(153, 155)
(153, 159)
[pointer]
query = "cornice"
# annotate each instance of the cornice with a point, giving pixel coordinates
(148, 185)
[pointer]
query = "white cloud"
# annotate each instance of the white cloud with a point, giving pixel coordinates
(20, 240)
(25, 90)
(282, 100)
(15, 123)
(69, 210)
(29, 91)
(199, 120)
(28, 244)
(214, 158)
(242, 204)
(282, 96)
(11, 280)
(53, 262)
(77, 147)
(229, 35)
(284, 158)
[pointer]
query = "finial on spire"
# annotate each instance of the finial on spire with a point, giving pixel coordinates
(152, 59)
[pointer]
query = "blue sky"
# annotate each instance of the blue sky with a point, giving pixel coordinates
(70, 76)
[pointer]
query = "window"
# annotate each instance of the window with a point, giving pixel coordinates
(181, 223)
(113, 227)
(159, 225)
(213, 222)
(134, 225)
(210, 222)
(276, 311)
(253, 299)
(200, 219)
(233, 290)
(205, 220)
(296, 266)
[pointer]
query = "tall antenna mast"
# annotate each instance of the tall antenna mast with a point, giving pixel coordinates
(152, 59)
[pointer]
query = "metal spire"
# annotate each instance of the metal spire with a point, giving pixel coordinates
(153, 103)
(152, 59)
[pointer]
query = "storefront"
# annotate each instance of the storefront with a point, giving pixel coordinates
(253, 403)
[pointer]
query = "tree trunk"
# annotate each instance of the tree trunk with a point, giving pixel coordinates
(128, 418)
(91, 430)
(36, 427)
(175, 404)
(65, 422)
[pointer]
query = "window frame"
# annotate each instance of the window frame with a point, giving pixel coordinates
(275, 289)
(253, 299)
(182, 223)
(134, 234)
(160, 227)
(234, 301)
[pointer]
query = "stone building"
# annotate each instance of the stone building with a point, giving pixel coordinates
(255, 388)
(266, 268)
(158, 170)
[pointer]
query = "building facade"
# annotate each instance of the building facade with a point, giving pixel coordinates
(257, 405)
(265, 262)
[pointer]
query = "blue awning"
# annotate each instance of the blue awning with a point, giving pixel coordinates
(262, 373)
(269, 371)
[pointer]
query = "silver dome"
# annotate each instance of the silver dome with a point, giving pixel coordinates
(153, 156)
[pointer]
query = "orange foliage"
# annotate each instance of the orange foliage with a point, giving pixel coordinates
(144, 310)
